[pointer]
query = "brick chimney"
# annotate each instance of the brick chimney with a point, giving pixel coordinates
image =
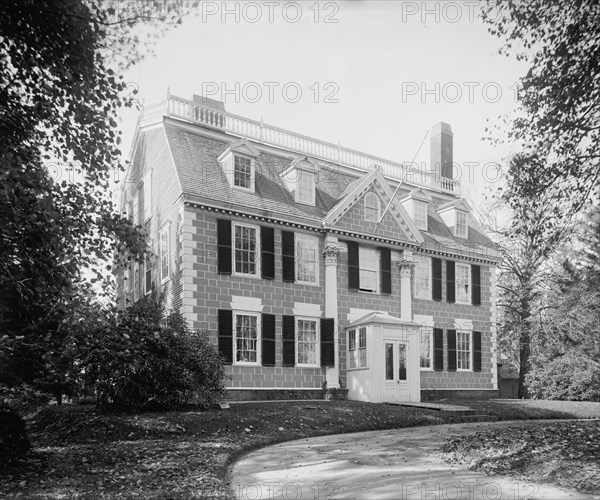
(441, 150)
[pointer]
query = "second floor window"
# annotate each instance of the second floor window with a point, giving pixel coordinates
(423, 278)
(463, 280)
(246, 252)
(242, 172)
(369, 269)
(307, 259)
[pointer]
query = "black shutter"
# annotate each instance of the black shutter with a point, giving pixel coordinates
(353, 268)
(476, 351)
(327, 342)
(267, 252)
(288, 251)
(438, 349)
(289, 340)
(436, 272)
(224, 246)
(226, 335)
(476, 285)
(450, 282)
(268, 340)
(385, 261)
(451, 350)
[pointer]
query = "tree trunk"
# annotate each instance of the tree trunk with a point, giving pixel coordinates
(524, 352)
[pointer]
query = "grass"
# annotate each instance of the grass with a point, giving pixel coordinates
(82, 453)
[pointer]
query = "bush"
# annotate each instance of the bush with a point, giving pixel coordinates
(570, 377)
(143, 361)
(14, 443)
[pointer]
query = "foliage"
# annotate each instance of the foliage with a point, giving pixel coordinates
(22, 398)
(143, 361)
(559, 100)
(569, 377)
(60, 93)
(14, 443)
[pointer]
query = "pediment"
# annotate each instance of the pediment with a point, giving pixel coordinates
(241, 146)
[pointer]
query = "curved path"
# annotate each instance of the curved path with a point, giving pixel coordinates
(396, 464)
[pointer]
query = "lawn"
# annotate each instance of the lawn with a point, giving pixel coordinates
(82, 453)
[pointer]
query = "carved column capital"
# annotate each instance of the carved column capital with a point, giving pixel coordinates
(406, 267)
(331, 253)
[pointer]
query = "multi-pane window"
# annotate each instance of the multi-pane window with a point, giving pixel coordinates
(352, 349)
(148, 275)
(307, 341)
(136, 282)
(463, 280)
(305, 187)
(369, 269)
(165, 252)
(246, 338)
(372, 207)
(307, 259)
(426, 348)
(463, 350)
(420, 214)
(242, 172)
(362, 347)
(136, 208)
(423, 277)
(461, 224)
(246, 251)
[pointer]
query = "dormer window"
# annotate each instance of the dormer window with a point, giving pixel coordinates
(305, 187)
(238, 162)
(242, 172)
(420, 214)
(372, 207)
(460, 229)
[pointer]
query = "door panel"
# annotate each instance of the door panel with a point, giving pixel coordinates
(395, 373)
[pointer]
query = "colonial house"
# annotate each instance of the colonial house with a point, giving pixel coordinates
(311, 263)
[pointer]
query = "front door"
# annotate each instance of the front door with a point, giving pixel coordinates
(395, 384)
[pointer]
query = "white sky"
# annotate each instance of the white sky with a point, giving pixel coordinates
(377, 61)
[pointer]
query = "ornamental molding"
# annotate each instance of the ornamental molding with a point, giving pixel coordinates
(331, 253)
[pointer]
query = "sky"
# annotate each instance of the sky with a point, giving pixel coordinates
(372, 75)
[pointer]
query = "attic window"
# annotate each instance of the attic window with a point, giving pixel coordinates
(305, 187)
(461, 224)
(372, 207)
(420, 214)
(242, 172)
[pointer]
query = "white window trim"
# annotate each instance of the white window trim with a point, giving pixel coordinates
(166, 228)
(424, 225)
(456, 233)
(315, 241)
(256, 250)
(468, 266)
(251, 189)
(299, 173)
(470, 332)
(371, 195)
(428, 330)
(426, 261)
(258, 361)
(318, 341)
(377, 270)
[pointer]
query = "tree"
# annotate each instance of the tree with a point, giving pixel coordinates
(59, 97)
(559, 99)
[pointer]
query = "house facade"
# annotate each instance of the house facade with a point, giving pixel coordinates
(311, 264)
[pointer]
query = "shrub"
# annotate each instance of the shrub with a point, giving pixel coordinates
(144, 361)
(14, 443)
(570, 377)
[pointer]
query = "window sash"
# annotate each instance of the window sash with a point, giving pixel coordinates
(307, 342)
(246, 255)
(136, 282)
(164, 254)
(362, 347)
(305, 188)
(423, 278)
(426, 349)
(369, 269)
(352, 349)
(420, 214)
(307, 260)
(463, 282)
(461, 224)
(247, 338)
(242, 172)
(463, 350)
